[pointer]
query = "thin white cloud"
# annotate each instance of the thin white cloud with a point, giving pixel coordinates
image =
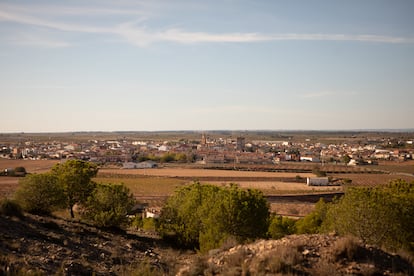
(139, 35)
(30, 20)
(58, 10)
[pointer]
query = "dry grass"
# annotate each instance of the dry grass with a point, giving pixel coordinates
(278, 187)
(294, 209)
(373, 179)
(393, 166)
(32, 166)
(185, 172)
(146, 186)
(281, 260)
(347, 247)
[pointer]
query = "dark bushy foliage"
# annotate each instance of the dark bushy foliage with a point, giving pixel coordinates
(10, 208)
(74, 176)
(40, 194)
(312, 223)
(204, 216)
(281, 226)
(382, 216)
(108, 205)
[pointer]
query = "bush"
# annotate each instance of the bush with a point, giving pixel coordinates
(40, 194)
(382, 216)
(10, 208)
(312, 223)
(108, 206)
(204, 216)
(318, 172)
(280, 261)
(148, 224)
(137, 222)
(281, 226)
(347, 247)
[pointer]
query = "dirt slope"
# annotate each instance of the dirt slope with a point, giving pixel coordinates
(301, 255)
(55, 246)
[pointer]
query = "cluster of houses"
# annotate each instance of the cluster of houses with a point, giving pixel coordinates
(135, 154)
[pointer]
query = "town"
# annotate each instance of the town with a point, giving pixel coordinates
(134, 150)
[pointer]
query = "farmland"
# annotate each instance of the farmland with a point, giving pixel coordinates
(155, 185)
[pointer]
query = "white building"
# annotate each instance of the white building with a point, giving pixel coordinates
(317, 181)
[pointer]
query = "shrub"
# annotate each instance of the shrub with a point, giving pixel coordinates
(280, 261)
(382, 216)
(312, 223)
(145, 268)
(40, 194)
(204, 216)
(108, 206)
(137, 222)
(281, 226)
(148, 224)
(347, 247)
(10, 208)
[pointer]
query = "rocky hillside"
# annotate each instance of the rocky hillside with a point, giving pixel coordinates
(47, 245)
(54, 246)
(301, 255)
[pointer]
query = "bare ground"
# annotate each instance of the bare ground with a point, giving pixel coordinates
(52, 246)
(55, 246)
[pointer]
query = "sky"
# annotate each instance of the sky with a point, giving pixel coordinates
(131, 65)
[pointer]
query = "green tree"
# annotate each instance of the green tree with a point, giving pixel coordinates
(246, 213)
(281, 226)
(383, 216)
(108, 205)
(75, 178)
(312, 223)
(345, 159)
(167, 157)
(40, 193)
(204, 216)
(181, 157)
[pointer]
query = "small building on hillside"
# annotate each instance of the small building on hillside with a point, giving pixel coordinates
(317, 181)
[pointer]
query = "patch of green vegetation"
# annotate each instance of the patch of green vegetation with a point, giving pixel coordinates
(381, 216)
(204, 216)
(10, 208)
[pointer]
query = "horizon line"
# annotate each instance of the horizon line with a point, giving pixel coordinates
(395, 130)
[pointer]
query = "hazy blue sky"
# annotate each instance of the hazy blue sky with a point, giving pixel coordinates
(203, 65)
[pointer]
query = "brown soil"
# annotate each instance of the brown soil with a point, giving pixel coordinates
(55, 246)
(50, 246)
(31, 166)
(195, 173)
(301, 255)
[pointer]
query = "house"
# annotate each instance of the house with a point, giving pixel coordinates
(310, 159)
(152, 213)
(317, 181)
